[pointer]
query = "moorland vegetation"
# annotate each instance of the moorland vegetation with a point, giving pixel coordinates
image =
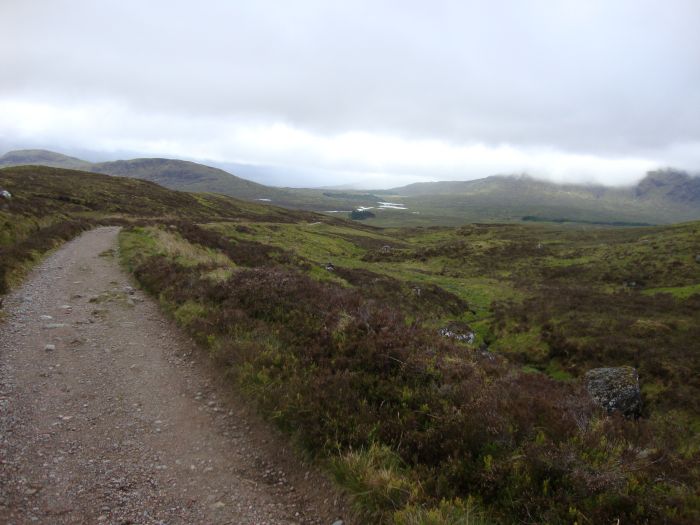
(337, 332)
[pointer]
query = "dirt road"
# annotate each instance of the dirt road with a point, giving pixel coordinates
(108, 414)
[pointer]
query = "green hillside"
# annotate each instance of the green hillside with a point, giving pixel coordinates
(436, 372)
(186, 176)
(342, 337)
(49, 205)
(43, 158)
(662, 197)
(190, 176)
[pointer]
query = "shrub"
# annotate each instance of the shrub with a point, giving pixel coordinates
(415, 425)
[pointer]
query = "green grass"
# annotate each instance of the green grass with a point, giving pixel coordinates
(419, 428)
(552, 301)
(528, 343)
(51, 205)
(681, 292)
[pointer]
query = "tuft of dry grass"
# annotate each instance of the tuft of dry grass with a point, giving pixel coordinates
(173, 246)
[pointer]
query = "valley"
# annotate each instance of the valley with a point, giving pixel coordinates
(350, 263)
(661, 197)
(436, 372)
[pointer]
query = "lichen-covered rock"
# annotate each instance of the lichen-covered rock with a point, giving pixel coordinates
(616, 388)
(458, 331)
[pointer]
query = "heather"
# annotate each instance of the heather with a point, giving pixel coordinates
(437, 373)
(421, 427)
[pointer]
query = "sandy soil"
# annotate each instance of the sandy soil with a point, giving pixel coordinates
(109, 414)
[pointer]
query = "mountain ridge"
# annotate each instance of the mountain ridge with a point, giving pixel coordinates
(42, 157)
(662, 196)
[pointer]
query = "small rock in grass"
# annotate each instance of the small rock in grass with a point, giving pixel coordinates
(616, 388)
(458, 331)
(50, 348)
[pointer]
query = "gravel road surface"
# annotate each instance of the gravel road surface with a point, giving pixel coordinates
(109, 414)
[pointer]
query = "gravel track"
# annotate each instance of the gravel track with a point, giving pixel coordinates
(108, 413)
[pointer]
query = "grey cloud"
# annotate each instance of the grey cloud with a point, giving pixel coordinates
(595, 77)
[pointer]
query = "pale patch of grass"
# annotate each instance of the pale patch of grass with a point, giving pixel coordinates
(219, 275)
(189, 312)
(378, 482)
(455, 512)
(680, 292)
(185, 253)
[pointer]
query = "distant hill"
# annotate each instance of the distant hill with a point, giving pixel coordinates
(39, 191)
(193, 177)
(663, 196)
(170, 173)
(42, 157)
(50, 205)
(671, 185)
(186, 176)
(675, 184)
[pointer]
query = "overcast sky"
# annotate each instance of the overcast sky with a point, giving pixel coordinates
(377, 93)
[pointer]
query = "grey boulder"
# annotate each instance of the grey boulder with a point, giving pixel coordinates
(615, 389)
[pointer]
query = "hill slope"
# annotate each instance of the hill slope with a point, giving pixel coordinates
(170, 173)
(360, 355)
(435, 369)
(186, 176)
(42, 157)
(50, 205)
(41, 191)
(664, 196)
(670, 185)
(661, 197)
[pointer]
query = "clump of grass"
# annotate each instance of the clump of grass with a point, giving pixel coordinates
(378, 480)
(448, 512)
(173, 246)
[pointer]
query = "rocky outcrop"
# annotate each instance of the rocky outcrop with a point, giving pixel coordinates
(615, 389)
(458, 331)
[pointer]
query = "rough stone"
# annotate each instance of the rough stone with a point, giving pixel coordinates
(458, 331)
(615, 388)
